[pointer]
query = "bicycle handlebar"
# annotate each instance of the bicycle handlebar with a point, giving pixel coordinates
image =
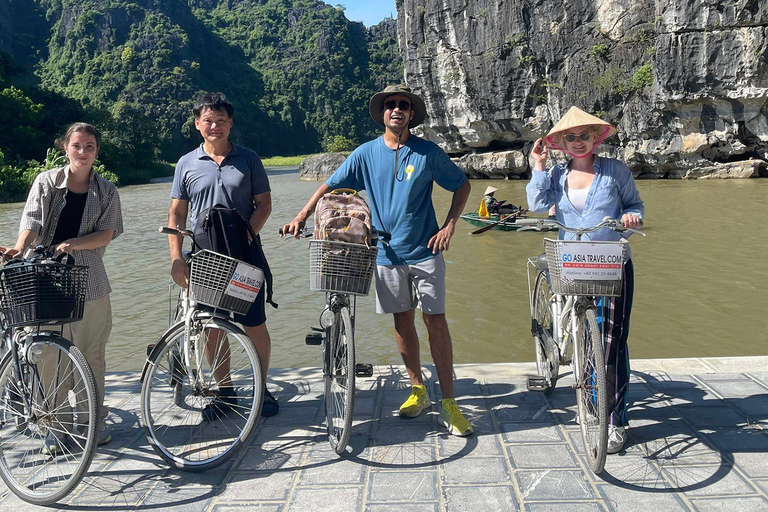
(607, 222)
(41, 253)
(305, 232)
(178, 232)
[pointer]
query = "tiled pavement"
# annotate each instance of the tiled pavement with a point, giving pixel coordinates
(699, 441)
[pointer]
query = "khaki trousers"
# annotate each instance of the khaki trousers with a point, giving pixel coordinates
(90, 335)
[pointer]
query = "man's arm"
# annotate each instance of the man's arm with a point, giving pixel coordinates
(261, 212)
(298, 222)
(441, 241)
(177, 218)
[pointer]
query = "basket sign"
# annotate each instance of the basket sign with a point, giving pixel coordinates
(591, 262)
(245, 283)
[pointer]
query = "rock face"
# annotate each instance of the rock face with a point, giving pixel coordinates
(320, 167)
(685, 81)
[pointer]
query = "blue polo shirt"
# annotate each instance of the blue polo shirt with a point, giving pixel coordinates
(201, 181)
(401, 205)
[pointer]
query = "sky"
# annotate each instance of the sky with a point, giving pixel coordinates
(370, 12)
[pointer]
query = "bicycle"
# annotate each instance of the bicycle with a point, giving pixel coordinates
(48, 402)
(343, 271)
(187, 422)
(569, 277)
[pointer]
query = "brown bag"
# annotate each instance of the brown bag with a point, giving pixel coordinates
(343, 216)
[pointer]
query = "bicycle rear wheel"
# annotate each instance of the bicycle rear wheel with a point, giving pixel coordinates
(340, 380)
(47, 446)
(174, 395)
(547, 351)
(591, 392)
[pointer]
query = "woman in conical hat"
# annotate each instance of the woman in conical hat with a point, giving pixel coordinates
(585, 189)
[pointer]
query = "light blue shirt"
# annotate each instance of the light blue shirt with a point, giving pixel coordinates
(401, 206)
(612, 194)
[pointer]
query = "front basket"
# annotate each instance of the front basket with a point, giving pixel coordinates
(341, 267)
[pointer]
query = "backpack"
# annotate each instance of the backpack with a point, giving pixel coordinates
(343, 216)
(225, 231)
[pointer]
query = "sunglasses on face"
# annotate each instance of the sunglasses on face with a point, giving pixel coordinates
(390, 105)
(571, 137)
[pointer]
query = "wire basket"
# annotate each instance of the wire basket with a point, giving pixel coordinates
(210, 281)
(592, 288)
(42, 293)
(340, 267)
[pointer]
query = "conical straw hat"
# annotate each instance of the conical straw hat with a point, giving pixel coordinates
(577, 117)
(490, 190)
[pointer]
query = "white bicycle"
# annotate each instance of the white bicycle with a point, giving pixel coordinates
(564, 284)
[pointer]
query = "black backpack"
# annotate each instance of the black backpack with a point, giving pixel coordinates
(225, 231)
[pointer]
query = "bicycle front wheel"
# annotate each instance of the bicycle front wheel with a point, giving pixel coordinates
(340, 380)
(547, 351)
(188, 424)
(592, 392)
(48, 420)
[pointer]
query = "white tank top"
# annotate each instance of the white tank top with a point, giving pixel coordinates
(577, 197)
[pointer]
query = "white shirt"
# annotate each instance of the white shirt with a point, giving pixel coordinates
(577, 197)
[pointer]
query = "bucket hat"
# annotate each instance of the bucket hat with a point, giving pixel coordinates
(376, 106)
(490, 190)
(577, 117)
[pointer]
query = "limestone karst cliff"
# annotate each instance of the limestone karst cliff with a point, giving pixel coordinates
(685, 81)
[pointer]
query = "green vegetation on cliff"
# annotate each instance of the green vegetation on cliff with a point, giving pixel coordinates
(298, 72)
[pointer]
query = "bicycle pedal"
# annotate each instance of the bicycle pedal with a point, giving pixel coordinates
(314, 338)
(364, 369)
(537, 384)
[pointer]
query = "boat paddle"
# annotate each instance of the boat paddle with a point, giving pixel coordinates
(494, 224)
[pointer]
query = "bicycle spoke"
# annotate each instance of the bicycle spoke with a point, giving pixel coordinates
(60, 403)
(181, 434)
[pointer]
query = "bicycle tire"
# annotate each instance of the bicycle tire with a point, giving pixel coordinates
(340, 380)
(592, 392)
(30, 470)
(173, 417)
(547, 363)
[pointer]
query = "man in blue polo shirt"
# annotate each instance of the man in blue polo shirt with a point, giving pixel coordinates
(398, 171)
(220, 172)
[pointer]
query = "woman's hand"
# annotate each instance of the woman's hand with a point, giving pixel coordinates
(539, 155)
(630, 220)
(8, 254)
(67, 246)
(180, 272)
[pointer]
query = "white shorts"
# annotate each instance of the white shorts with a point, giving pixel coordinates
(401, 288)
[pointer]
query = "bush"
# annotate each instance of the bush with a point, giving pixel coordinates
(338, 144)
(643, 77)
(600, 51)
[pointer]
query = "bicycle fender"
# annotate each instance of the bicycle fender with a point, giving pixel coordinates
(158, 346)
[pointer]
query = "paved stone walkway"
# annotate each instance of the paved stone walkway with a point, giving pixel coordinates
(699, 441)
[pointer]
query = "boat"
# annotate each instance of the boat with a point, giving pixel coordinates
(505, 225)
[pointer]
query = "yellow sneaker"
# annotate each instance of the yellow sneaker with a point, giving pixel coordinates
(451, 417)
(417, 401)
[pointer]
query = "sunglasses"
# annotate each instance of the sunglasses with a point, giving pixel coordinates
(404, 105)
(571, 137)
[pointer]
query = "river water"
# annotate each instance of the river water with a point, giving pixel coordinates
(701, 277)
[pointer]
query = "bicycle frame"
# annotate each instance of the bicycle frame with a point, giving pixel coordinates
(565, 311)
(334, 302)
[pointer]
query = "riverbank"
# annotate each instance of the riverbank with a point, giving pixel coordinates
(698, 442)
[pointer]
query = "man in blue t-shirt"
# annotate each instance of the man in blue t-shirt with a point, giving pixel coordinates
(220, 172)
(398, 171)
